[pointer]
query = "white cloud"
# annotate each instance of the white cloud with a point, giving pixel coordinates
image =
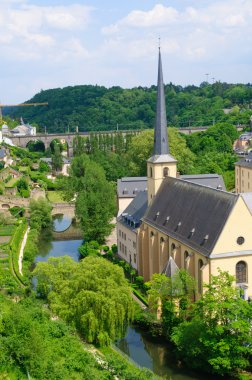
(30, 31)
(193, 33)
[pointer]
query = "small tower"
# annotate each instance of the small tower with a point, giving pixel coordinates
(161, 164)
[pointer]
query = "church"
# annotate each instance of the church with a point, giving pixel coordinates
(188, 222)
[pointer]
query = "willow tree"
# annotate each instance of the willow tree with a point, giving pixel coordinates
(93, 295)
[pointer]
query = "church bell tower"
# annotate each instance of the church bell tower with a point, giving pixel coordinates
(161, 164)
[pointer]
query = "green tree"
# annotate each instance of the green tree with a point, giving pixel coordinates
(95, 197)
(92, 294)
(40, 213)
(218, 338)
(57, 160)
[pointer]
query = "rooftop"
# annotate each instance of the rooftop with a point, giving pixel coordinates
(191, 213)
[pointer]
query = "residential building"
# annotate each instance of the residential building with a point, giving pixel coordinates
(243, 175)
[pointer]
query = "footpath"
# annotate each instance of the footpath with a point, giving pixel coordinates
(21, 253)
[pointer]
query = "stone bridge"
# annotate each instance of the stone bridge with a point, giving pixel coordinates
(64, 208)
(68, 138)
(22, 141)
(57, 208)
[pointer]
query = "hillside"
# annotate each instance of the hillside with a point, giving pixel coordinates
(100, 108)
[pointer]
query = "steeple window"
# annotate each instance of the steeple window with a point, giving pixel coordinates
(166, 172)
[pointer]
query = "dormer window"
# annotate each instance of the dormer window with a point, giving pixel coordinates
(125, 191)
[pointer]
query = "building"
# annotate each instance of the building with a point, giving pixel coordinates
(243, 174)
(127, 189)
(188, 224)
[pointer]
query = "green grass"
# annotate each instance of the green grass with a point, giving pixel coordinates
(7, 230)
(12, 183)
(55, 196)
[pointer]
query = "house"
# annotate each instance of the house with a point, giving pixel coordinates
(243, 174)
(188, 224)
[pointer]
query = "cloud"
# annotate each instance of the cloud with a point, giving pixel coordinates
(192, 33)
(26, 28)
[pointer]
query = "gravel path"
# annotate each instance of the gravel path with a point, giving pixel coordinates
(21, 253)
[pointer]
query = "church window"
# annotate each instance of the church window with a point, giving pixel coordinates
(240, 240)
(241, 272)
(150, 171)
(165, 172)
(151, 234)
(162, 240)
(186, 255)
(200, 282)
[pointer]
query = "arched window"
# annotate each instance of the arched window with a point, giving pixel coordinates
(200, 282)
(186, 254)
(241, 272)
(162, 240)
(165, 172)
(151, 234)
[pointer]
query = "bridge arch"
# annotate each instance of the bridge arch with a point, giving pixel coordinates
(36, 146)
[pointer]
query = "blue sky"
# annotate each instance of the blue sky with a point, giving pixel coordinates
(56, 43)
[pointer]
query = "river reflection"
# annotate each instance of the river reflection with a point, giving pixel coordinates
(61, 222)
(57, 248)
(154, 354)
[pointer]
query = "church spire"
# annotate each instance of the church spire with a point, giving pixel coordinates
(161, 145)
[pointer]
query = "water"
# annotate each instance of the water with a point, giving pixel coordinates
(154, 354)
(58, 248)
(61, 222)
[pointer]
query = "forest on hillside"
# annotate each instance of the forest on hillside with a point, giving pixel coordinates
(96, 108)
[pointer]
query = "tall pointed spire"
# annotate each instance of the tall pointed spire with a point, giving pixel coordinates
(161, 145)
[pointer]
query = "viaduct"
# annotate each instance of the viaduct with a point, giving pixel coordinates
(22, 141)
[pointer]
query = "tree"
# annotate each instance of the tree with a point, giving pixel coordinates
(95, 198)
(40, 213)
(57, 160)
(35, 346)
(218, 337)
(93, 295)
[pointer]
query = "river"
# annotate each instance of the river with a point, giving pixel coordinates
(144, 350)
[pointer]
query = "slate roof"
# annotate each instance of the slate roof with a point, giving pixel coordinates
(170, 268)
(129, 187)
(190, 213)
(161, 145)
(213, 180)
(135, 211)
(130, 184)
(245, 162)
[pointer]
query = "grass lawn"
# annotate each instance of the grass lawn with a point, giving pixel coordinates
(12, 182)
(7, 230)
(55, 196)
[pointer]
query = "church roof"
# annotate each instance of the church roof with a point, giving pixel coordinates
(161, 145)
(190, 213)
(126, 186)
(213, 180)
(129, 187)
(135, 211)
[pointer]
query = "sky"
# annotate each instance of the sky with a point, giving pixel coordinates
(56, 43)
